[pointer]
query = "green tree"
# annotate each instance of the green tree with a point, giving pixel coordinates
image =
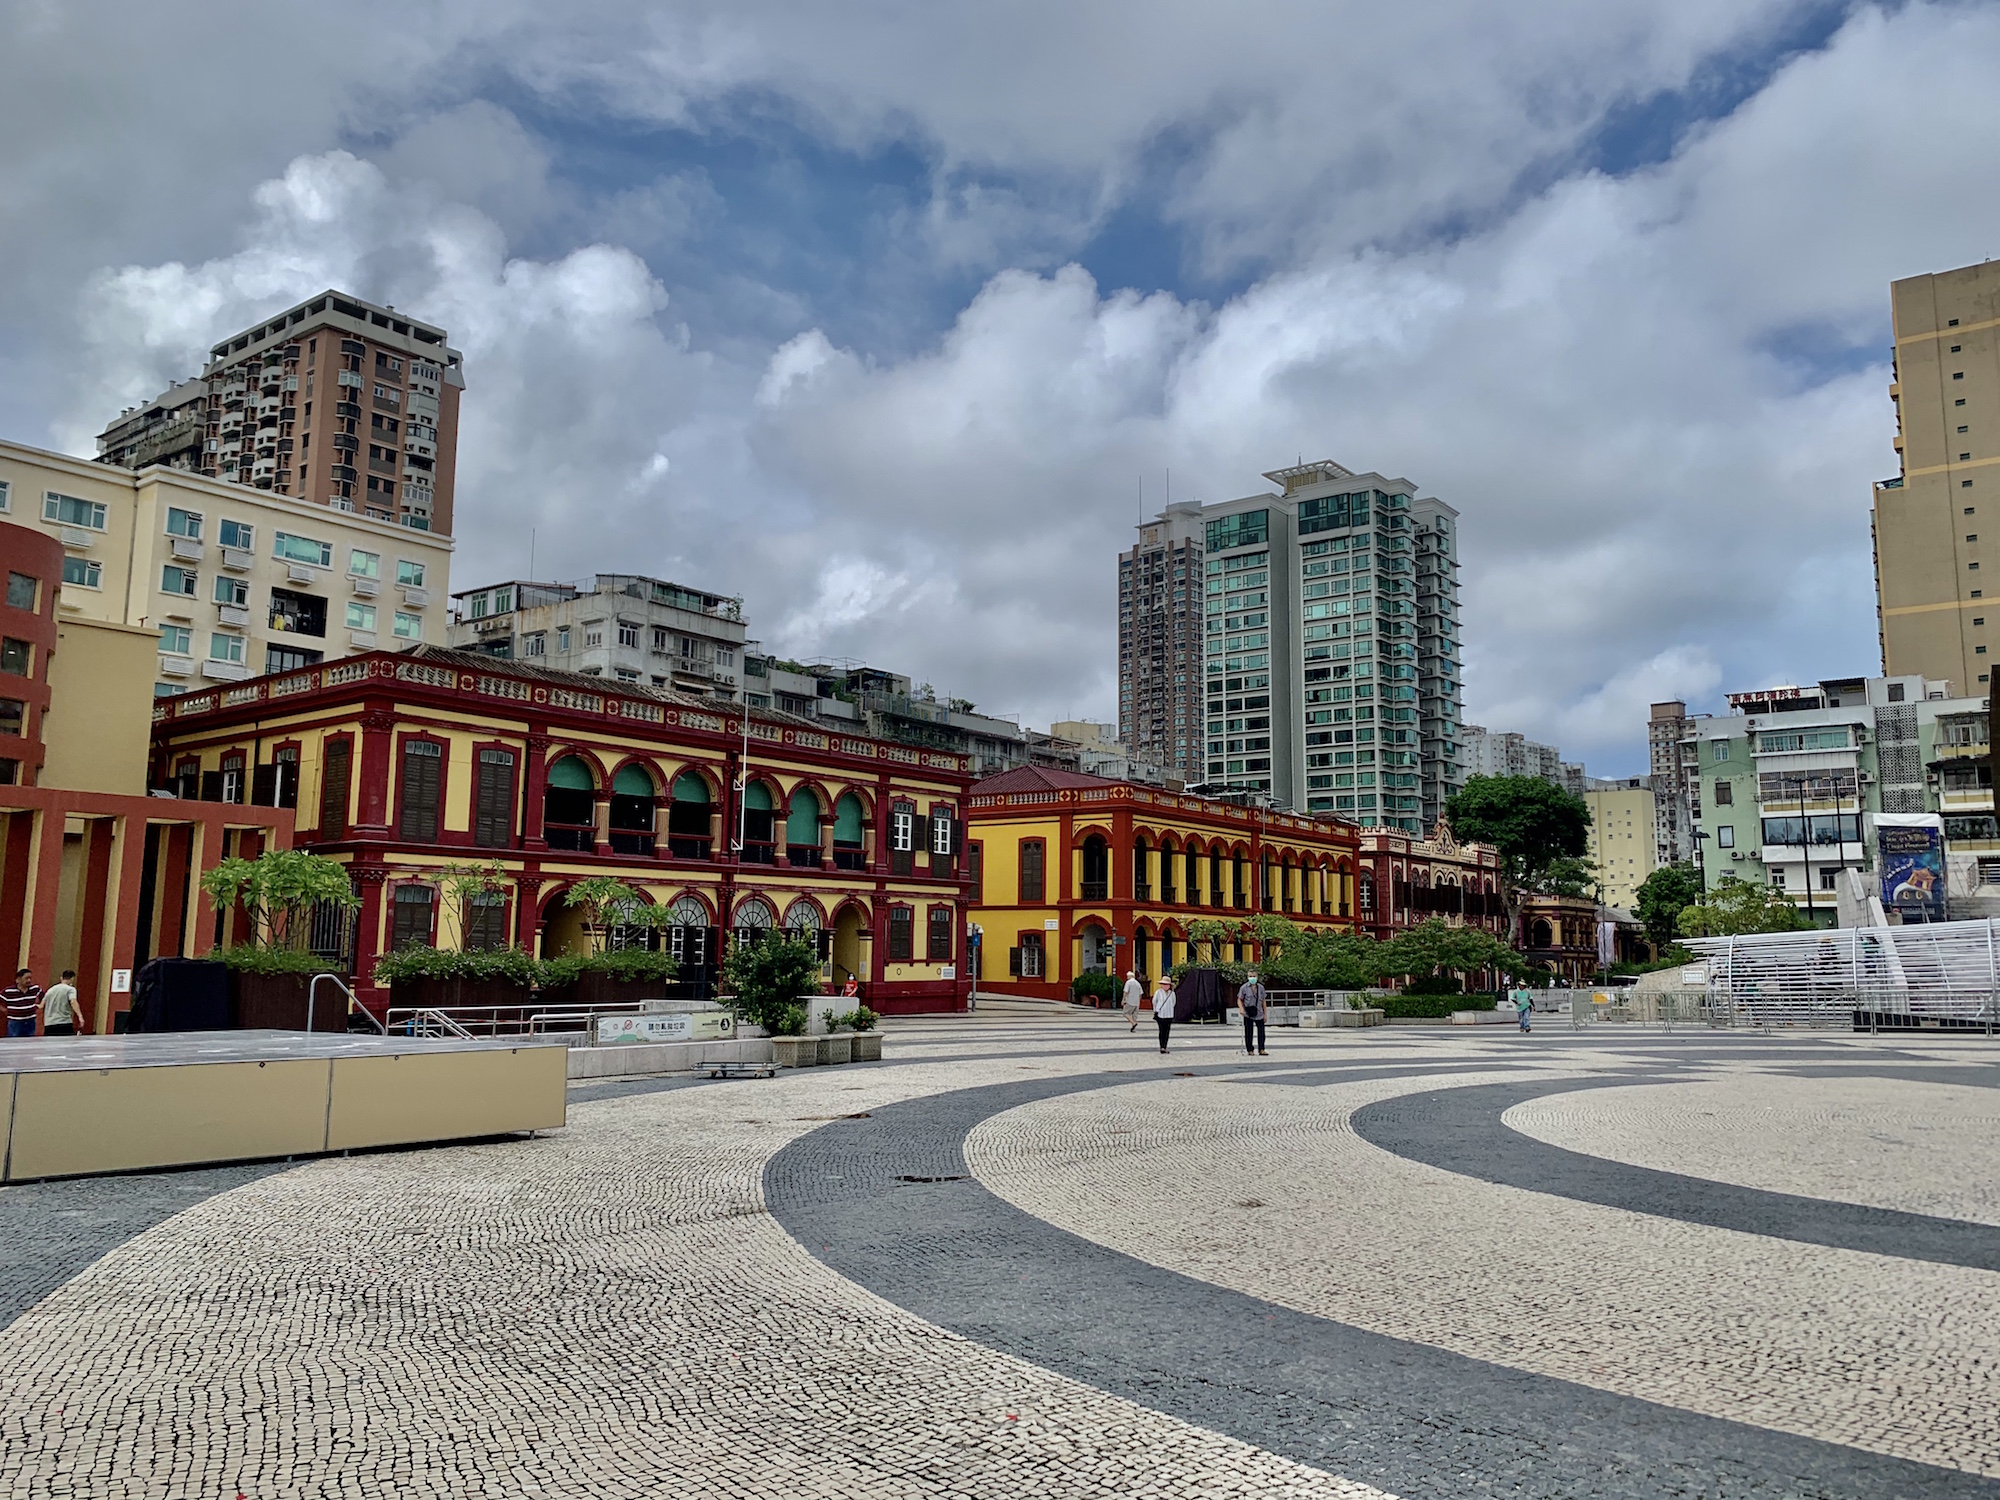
(1434, 947)
(1541, 831)
(1664, 895)
(771, 977)
(1737, 907)
(279, 890)
(1533, 823)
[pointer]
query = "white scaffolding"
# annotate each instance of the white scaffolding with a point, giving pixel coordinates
(1923, 974)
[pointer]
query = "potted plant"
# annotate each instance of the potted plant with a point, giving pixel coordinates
(771, 979)
(271, 972)
(866, 1043)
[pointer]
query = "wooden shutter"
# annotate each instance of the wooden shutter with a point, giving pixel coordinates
(493, 800)
(264, 786)
(287, 764)
(412, 917)
(423, 779)
(333, 789)
(1031, 871)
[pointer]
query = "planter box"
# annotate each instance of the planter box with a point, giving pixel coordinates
(836, 1049)
(1333, 1016)
(277, 1002)
(442, 994)
(867, 1046)
(796, 1051)
(1483, 1017)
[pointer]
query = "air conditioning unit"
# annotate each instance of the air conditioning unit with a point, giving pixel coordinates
(367, 588)
(300, 573)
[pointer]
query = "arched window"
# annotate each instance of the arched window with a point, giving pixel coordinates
(849, 820)
(687, 938)
(1214, 876)
(754, 920)
(632, 797)
(1169, 862)
(759, 825)
(802, 921)
(1096, 869)
(1541, 935)
(1240, 882)
(802, 830)
(1141, 870)
(569, 806)
(687, 818)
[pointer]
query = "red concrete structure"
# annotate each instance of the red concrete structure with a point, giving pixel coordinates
(95, 881)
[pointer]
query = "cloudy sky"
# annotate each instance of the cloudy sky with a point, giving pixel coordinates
(891, 316)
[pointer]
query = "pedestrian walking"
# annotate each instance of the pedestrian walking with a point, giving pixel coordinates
(1524, 1006)
(24, 1003)
(1254, 1001)
(1135, 992)
(60, 1012)
(1163, 1009)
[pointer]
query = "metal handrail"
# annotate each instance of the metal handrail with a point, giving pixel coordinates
(312, 994)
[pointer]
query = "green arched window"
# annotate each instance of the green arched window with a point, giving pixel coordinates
(802, 824)
(848, 819)
(687, 818)
(569, 806)
(759, 824)
(572, 775)
(632, 811)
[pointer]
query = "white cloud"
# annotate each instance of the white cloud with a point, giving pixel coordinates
(1661, 496)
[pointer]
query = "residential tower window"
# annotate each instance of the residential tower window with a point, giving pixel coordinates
(81, 572)
(185, 523)
(225, 647)
(23, 591)
(176, 640)
(67, 510)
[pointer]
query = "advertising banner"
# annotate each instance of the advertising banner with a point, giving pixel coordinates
(701, 1026)
(1909, 850)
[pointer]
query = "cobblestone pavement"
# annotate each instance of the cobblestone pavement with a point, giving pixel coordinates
(1029, 1260)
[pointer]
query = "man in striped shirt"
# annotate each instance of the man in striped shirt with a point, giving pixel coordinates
(24, 1004)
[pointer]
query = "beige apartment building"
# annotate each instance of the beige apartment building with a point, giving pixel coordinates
(1931, 588)
(336, 401)
(1623, 837)
(233, 581)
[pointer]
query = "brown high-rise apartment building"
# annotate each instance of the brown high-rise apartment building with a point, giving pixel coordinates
(1159, 642)
(1932, 592)
(336, 402)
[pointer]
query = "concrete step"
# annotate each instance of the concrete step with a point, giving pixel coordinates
(1014, 1007)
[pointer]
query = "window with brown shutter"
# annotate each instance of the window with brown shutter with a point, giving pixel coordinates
(493, 800)
(423, 779)
(1031, 871)
(902, 838)
(333, 789)
(902, 934)
(412, 924)
(937, 938)
(486, 921)
(975, 867)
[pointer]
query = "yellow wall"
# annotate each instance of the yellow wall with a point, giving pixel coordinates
(1621, 842)
(100, 720)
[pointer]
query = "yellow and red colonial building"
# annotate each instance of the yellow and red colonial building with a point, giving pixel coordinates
(1074, 874)
(406, 766)
(1406, 880)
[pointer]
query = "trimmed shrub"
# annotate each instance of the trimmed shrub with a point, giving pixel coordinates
(1094, 987)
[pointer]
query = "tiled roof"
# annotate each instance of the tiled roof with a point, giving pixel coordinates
(1039, 779)
(503, 666)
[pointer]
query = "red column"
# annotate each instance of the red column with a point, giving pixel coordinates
(368, 936)
(527, 911)
(201, 915)
(534, 790)
(14, 888)
(97, 898)
(377, 741)
(47, 878)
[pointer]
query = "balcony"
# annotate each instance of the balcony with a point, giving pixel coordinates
(849, 857)
(1096, 890)
(759, 854)
(631, 841)
(804, 856)
(687, 846)
(575, 840)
